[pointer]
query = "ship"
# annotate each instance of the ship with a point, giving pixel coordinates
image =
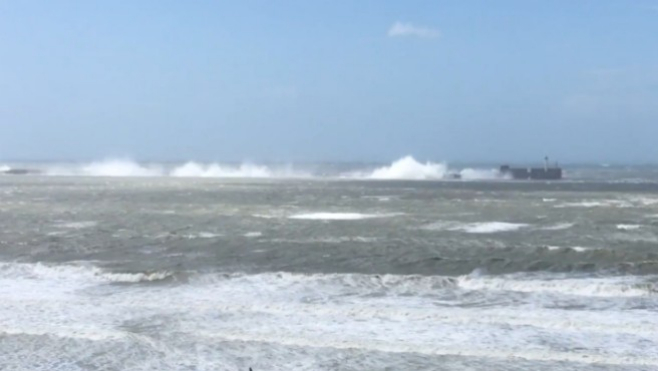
(533, 173)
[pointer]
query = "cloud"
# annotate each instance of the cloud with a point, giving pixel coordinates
(408, 29)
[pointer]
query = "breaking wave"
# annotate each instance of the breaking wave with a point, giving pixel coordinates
(196, 170)
(476, 228)
(558, 227)
(364, 283)
(74, 273)
(489, 227)
(108, 168)
(408, 168)
(354, 283)
(130, 168)
(628, 227)
(405, 168)
(338, 216)
(477, 315)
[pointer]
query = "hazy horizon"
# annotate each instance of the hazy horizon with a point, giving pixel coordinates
(538, 162)
(475, 82)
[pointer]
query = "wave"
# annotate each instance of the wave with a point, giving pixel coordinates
(595, 203)
(628, 227)
(338, 216)
(77, 225)
(107, 168)
(600, 287)
(283, 313)
(490, 227)
(405, 168)
(130, 168)
(477, 228)
(408, 168)
(366, 284)
(74, 273)
(205, 235)
(355, 282)
(558, 227)
(196, 170)
(570, 248)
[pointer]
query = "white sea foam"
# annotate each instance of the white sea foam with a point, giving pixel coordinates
(203, 235)
(70, 273)
(628, 227)
(475, 228)
(406, 168)
(338, 216)
(595, 287)
(245, 170)
(77, 225)
(287, 314)
(643, 201)
(107, 168)
(253, 234)
(558, 227)
(130, 168)
(488, 227)
(380, 198)
(574, 248)
(596, 203)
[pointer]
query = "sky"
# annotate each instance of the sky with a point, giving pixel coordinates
(338, 80)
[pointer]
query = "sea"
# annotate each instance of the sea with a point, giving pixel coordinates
(120, 265)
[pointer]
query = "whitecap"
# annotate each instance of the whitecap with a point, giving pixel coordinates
(557, 227)
(244, 170)
(77, 225)
(405, 168)
(107, 168)
(574, 248)
(628, 227)
(70, 273)
(203, 235)
(338, 216)
(488, 227)
(592, 203)
(600, 287)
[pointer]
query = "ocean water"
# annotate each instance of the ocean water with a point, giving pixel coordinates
(124, 266)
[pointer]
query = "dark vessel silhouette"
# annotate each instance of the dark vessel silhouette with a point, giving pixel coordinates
(534, 173)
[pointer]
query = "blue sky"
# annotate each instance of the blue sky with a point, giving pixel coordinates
(329, 80)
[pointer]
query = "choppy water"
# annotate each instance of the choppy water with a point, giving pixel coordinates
(169, 273)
